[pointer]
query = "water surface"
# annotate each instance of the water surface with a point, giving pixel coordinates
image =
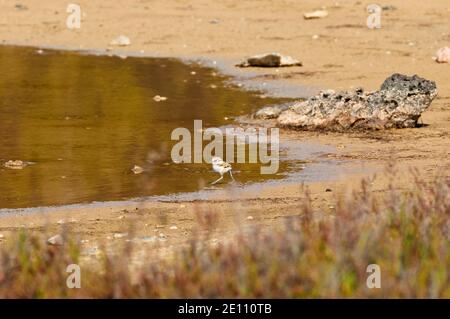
(85, 121)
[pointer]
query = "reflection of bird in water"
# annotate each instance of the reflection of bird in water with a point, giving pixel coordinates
(221, 167)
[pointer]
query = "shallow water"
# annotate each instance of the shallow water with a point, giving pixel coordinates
(85, 121)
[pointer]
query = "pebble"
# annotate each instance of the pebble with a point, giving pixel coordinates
(318, 14)
(137, 169)
(2, 236)
(159, 98)
(443, 55)
(250, 218)
(173, 227)
(17, 164)
(120, 235)
(56, 240)
(121, 40)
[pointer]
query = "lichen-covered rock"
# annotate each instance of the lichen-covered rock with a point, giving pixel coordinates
(269, 60)
(398, 104)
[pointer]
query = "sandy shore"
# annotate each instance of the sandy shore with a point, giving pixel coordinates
(338, 52)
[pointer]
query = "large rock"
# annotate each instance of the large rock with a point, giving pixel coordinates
(398, 104)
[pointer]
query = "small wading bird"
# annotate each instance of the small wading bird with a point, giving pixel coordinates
(221, 167)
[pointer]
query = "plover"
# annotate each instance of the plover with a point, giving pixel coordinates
(221, 167)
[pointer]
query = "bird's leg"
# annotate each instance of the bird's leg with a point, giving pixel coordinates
(221, 177)
(232, 176)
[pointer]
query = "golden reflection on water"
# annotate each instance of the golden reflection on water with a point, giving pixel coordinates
(85, 121)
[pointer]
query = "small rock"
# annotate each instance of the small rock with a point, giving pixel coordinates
(121, 40)
(120, 235)
(40, 51)
(2, 236)
(318, 14)
(21, 7)
(158, 98)
(268, 112)
(92, 251)
(443, 55)
(173, 227)
(328, 190)
(148, 238)
(161, 235)
(388, 8)
(56, 240)
(17, 164)
(61, 221)
(249, 217)
(269, 60)
(137, 169)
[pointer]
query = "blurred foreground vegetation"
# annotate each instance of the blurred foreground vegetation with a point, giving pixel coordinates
(313, 255)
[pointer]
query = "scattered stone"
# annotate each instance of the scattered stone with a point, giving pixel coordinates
(388, 7)
(137, 169)
(162, 236)
(121, 41)
(93, 251)
(328, 190)
(17, 164)
(318, 14)
(40, 51)
(249, 217)
(120, 235)
(158, 98)
(61, 221)
(21, 7)
(269, 112)
(269, 60)
(398, 104)
(315, 37)
(2, 236)
(56, 240)
(148, 238)
(443, 55)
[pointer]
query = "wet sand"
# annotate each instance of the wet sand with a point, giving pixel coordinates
(338, 52)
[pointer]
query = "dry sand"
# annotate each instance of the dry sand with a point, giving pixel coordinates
(338, 52)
